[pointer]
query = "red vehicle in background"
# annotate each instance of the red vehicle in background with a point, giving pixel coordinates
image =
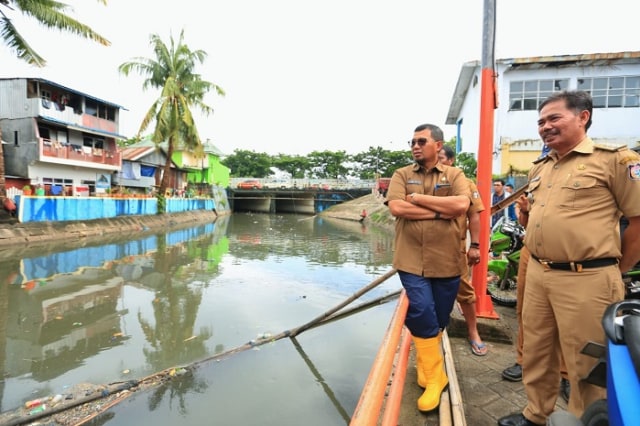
(382, 186)
(250, 184)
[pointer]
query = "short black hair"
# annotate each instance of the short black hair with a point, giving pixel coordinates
(577, 100)
(436, 132)
(449, 152)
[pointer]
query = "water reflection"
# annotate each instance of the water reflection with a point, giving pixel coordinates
(130, 308)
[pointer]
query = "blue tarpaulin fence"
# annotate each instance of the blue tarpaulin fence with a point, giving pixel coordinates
(43, 209)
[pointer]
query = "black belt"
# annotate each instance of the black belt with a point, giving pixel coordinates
(576, 266)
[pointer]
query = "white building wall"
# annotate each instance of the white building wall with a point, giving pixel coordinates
(470, 115)
(610, 125)
(52, 170)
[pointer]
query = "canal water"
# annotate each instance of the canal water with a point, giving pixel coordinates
(124, 310)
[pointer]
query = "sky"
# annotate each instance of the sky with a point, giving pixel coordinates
(303, 76)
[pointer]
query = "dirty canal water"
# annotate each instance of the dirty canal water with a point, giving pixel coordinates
(125, 310)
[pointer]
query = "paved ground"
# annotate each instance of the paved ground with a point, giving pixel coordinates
(485, 395)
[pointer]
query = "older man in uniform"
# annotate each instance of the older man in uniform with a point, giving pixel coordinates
(425, 197)
(576, 195)
(466, 293)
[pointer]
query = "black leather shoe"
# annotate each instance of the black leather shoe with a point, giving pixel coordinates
(513, 373)
(565, 389)
(515, 420)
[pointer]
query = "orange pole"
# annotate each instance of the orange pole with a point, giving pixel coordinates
(367, 411)
(394, 399)
(488, 102)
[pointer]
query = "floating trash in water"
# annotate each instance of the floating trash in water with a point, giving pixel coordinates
(38, 409)
(177, 371)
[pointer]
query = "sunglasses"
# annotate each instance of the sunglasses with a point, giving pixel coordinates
(420, 141)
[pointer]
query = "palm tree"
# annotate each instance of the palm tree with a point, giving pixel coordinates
(50, 14)
(172, 71)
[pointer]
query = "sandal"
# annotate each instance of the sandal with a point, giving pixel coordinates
(479, 349)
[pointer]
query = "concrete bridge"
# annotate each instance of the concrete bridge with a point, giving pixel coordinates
(303, 201)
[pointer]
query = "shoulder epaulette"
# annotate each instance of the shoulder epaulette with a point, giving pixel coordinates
(539, 160)
(610, 147)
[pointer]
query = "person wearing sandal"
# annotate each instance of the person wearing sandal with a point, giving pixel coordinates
(466, 297)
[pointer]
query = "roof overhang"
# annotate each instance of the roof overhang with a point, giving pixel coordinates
(82, 129)
(537, 62)
(462, 87)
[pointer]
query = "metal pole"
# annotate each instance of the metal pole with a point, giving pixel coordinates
(488, 102)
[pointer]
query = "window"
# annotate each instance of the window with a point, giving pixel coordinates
(93, 142)
(99, 110)
(58, 186)
(527, 95)
(612, 92)
(49, 181)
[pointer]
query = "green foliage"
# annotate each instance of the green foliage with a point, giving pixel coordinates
(50, 14)
(248, 163)
(318, 164)
(328, 164)
(162, 203)
(297, 166)
(464, 160)
(468, 163)
(379, 162)
(173, 72)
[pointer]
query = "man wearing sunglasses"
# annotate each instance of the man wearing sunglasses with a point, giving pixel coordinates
(424, 197)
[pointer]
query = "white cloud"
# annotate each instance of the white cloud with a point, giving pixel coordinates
(303, 76)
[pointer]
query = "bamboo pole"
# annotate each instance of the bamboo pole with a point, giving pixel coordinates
(335, 309)
(455, 396)
(328, 316)
(444, 410)
(367, 411)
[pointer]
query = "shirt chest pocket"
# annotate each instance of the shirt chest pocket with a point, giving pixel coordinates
(579, 193)
(442, 190)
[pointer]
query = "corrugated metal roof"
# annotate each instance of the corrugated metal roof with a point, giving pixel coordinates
(68, 89)
(587, 59)
(138, 150)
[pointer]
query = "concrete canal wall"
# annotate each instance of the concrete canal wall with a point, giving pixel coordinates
(19, 237)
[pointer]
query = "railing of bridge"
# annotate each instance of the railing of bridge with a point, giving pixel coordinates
(306, 184)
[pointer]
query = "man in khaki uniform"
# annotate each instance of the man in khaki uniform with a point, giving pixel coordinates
(466, 293)
(425, 197)
(576, 196)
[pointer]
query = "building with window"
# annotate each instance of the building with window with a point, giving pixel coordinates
(613, 79)
(57, 138)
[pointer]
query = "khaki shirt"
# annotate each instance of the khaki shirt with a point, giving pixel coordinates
(430, 248)
(476, 206)
(577, 202)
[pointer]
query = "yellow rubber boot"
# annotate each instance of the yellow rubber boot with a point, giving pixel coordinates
(422, 382)
(432, 366)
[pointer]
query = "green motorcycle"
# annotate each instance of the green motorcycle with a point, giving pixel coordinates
(505, 244)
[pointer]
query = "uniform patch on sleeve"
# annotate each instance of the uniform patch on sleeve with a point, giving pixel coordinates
(475, 194)
(629, 159)
(634, 171)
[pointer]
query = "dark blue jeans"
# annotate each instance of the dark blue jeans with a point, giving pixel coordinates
(430, 303)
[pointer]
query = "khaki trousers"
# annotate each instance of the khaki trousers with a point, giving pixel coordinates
(525, 254)
(466, 292)
(561, 314)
